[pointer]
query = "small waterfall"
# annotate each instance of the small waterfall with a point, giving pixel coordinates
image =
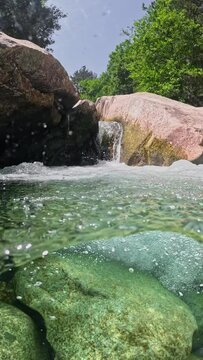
(110, 140)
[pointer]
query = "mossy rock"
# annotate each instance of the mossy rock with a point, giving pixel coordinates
(194, 357)
(7, 294)
(140, 147)
(195, 302)
(19, 338)
(98, 309)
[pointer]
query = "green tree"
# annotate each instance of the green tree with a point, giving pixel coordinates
(165, 55)
(82, 74)
(30, 20)
(115, 80)
(194, 8)
(93, 88)
(117, 72)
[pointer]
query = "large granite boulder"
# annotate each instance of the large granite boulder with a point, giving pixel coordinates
(157, 130)
(19, 339)
(36, 96)
(98, 309)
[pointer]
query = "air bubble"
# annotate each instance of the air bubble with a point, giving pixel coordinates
(45, 253)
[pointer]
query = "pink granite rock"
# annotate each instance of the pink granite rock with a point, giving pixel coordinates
(157, 130)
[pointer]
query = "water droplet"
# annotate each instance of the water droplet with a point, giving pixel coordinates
(28, 246)
(45, 253)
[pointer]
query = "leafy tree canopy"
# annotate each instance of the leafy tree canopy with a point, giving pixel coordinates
(115, 80)
(163, 54)
(117, 72)
(93, 88)
(31, 20)
(82, 74)
(166, 56)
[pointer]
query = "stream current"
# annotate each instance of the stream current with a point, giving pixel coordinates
(150, 219)
(44, 209)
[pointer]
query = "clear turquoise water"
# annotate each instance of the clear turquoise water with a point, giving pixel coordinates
(45, 209)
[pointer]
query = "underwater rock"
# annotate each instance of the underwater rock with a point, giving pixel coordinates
(195, 303)
(7, 294)
(36, 97)
(174, 259)
(19, 338)
(157, 130)
(96, 309)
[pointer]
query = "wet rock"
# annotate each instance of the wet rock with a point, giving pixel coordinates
(83, 130)
(19, 338)
(97, 309)
(7, 294)
(194, 357)
(174, 259)
(36, 96)
(195, 302)
(157, 130)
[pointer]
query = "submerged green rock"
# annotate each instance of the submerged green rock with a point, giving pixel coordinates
(19, 338)
(98, 309)
(195, 302)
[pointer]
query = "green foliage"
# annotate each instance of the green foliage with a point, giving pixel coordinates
(117, 72)
(93, 88)
(194, 8)
(115, 80)
(82, 74)
(31, 20)
(166, 52)
(163, 54)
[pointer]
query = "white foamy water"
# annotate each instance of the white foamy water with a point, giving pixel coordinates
(111, 133)
(36, 171)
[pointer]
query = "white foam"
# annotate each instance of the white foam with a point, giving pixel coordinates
(36, 171)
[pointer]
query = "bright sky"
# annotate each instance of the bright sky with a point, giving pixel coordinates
(92, 30)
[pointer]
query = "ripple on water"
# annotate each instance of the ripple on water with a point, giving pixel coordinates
(99, 202)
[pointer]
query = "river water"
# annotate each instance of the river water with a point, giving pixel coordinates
(150, 219)
(44, 209)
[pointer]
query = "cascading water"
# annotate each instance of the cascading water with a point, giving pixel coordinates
(110, 140)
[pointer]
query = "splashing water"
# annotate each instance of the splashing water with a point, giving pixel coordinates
(110, 139)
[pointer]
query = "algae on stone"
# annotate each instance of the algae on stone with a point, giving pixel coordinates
(7, 294)
(194, 357)
(19, 338)
(195, 303)
(98, 309)
(140, 147)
